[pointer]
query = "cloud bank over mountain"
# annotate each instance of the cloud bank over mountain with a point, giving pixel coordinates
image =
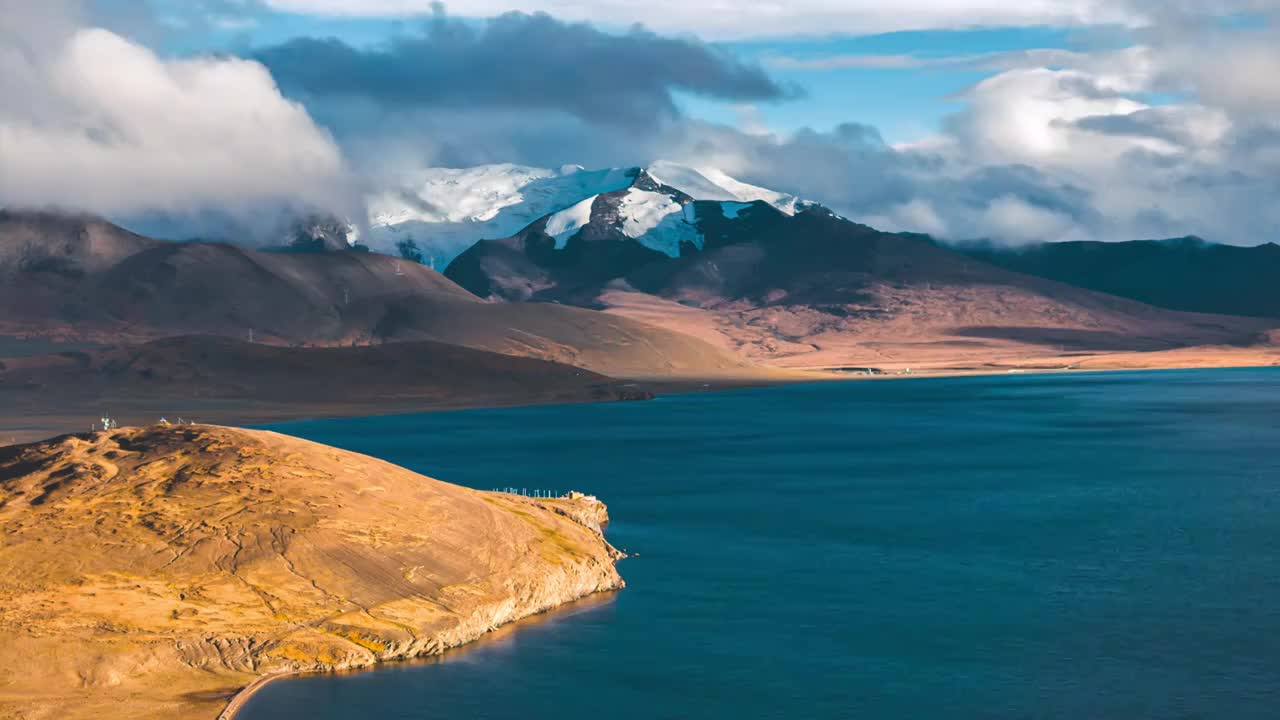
(528, 89)
(1163, 128)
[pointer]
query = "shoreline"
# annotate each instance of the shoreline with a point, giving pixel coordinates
(22, 425)
(237, 702)
(23, 428)
(242, 696)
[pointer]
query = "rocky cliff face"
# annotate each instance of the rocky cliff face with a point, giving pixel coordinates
(586, 510)
(157, 571)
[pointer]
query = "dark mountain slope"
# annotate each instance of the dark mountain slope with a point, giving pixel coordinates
(1182, 274)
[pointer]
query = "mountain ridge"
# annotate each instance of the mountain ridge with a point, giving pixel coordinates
(152, 289)
(814, 289)
(447, 210)
(1189, 273)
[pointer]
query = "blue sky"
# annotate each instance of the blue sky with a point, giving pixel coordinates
(904, 103)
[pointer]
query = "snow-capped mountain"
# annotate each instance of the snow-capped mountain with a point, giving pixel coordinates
(659, 209)
(447, 210)
(320, 233)
(668, 213)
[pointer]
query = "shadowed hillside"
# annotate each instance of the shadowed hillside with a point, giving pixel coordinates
(235, 382)
(1183, 274)
(130, 288)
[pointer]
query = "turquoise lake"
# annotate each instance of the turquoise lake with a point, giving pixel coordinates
(1100, 546)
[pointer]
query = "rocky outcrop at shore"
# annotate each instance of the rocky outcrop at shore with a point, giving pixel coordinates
(586, 510)
(158, 571)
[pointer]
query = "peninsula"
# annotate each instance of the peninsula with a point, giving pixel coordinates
(157, 572)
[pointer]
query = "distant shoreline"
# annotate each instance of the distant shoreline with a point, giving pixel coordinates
(25, 424)
(22, 426)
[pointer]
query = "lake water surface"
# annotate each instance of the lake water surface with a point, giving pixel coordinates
(1087, 547)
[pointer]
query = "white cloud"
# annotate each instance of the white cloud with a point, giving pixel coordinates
(1013, 219)
(106, 125)
(722, 18)
(1228, 71)
(1057, 146)
(916, 215)
(1028, 115)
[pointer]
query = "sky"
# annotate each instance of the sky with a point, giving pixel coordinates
(1015, 122)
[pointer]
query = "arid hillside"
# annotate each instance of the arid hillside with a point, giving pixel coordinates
(157, 571)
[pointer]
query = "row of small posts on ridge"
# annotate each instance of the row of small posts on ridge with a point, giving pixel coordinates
(109, 423)
(532, 493)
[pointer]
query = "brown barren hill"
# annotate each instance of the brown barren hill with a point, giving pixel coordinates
(156, 571)
(80, 279)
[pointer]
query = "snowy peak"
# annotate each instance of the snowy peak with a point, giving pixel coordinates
(322, 233)
(659, 220)
(662, 209)
(704, 183)
(447, 210)
(667, 217)
(490, 194)
(657, 216)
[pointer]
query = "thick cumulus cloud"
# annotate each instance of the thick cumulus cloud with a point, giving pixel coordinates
(106, 125)
(520, 62)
